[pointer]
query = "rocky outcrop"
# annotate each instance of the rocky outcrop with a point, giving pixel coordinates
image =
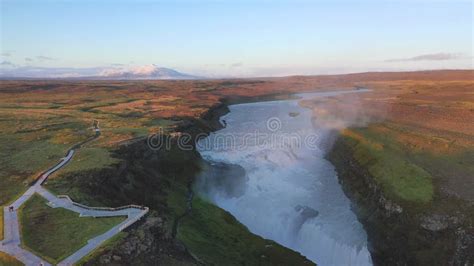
(403, 233)
(146, 244)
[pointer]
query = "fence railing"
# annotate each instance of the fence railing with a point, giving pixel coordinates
(104, 208)
(43, 177)
(132, 221)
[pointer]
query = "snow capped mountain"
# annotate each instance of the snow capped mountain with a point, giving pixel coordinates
(144, 72)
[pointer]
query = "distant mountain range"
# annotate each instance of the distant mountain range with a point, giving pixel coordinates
(116, 73)
(144, 72)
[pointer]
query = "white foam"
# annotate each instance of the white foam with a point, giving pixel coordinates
(280, 180)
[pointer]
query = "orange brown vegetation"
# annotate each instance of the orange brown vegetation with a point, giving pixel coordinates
(41, 119)
(425, 122)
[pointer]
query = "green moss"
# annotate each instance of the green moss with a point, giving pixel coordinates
(403, 178)
(31, 146)
(20, 161)
(176, 199)
(398, 176)
(217, 238)
(11, 186)
(35, 155)
(57, 233)
(88, 158)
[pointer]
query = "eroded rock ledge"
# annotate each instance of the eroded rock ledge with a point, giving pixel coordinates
(401, 233)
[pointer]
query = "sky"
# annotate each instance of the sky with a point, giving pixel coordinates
(234, 38)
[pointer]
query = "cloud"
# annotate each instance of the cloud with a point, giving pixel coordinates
(430, 57)
(28, 59)
(44, 58)
(238, 64)
(7, 64)
(46, 72)
(6, 54)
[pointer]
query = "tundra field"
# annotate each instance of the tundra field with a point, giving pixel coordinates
(412, 138)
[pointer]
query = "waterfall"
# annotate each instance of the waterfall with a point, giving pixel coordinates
(289, 192)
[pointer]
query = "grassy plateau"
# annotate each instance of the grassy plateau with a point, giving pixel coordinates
(55, 233)
(414, 132)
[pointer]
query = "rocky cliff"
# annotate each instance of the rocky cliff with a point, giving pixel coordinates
(402, 232)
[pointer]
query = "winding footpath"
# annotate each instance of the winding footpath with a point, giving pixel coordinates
(11, 243)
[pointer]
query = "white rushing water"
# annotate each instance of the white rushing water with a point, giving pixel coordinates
(290, 193)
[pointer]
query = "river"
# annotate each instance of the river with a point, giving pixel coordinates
(288, 192)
